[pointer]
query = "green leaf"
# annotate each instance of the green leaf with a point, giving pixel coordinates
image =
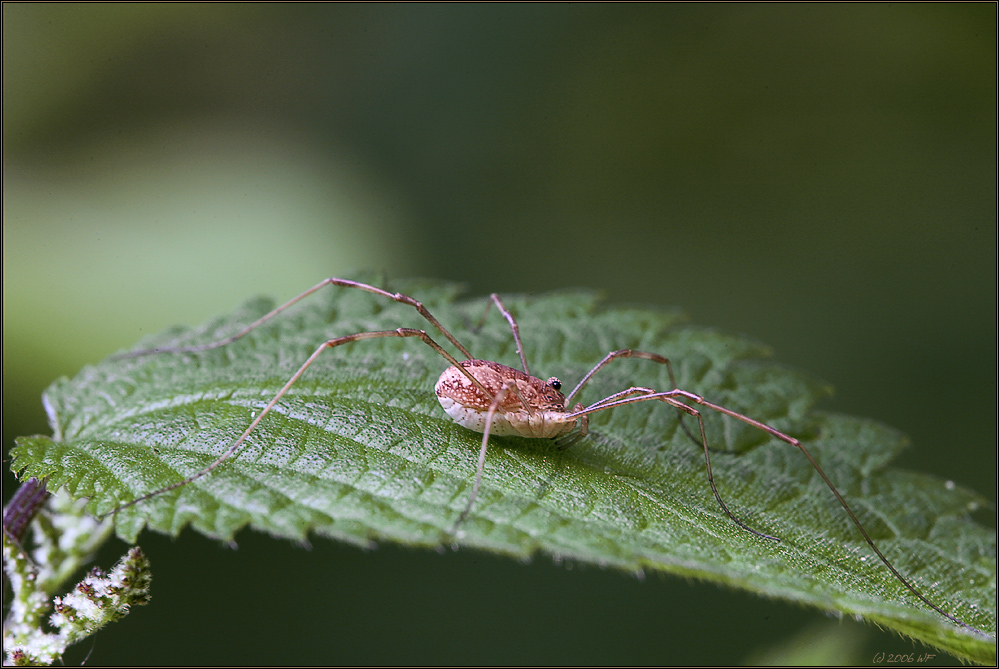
(359, 450)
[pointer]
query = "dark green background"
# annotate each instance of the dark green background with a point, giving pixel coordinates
(821, 178)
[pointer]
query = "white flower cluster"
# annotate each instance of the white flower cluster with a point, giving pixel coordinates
(95, 601)
(99, 599)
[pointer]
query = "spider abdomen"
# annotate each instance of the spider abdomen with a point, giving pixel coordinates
(468, 406)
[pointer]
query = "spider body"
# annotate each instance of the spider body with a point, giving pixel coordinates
(529, 407)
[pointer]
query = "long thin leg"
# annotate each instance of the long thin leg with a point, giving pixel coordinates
(513, 326)
(629, 353)
(617, 399)
(623, 353)
(332, 343)
(346, 283)
(672, 397)
(493, 407)
(573, 437)
(611, 399)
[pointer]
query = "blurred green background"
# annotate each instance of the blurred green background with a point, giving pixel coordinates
(821, 178)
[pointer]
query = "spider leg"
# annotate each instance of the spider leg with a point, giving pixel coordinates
(495, 299)
(332, 281)
(629, 353)
(490, 414)
(673, 397)
(669, 397)
(332, 343)
(584, 416)
(623, 353)
(570, 439)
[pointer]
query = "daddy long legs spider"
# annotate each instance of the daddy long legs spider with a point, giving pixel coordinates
(494, 399)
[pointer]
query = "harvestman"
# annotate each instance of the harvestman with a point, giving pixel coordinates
(491, 398)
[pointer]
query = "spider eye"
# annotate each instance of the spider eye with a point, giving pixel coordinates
(554, 383)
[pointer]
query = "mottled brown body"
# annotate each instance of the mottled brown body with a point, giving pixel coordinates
(529, 408)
